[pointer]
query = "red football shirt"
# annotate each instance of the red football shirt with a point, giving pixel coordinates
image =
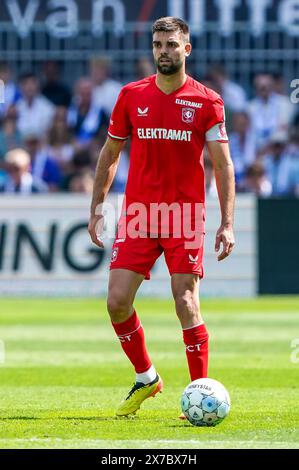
(168, 135)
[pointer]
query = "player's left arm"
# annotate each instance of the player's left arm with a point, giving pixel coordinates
(225, 181)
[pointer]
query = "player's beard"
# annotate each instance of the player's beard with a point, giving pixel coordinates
(171, 68)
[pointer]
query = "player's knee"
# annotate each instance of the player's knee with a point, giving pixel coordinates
(186, 303)
(118, 308)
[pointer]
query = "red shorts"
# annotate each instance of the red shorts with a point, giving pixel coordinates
(140, 254)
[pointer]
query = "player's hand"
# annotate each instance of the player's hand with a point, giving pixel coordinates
(95, 228)
(224, 236)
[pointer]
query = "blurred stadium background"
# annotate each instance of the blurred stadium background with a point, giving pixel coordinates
(62, 66)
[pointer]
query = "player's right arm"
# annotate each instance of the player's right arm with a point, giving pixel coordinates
(105, 172)
(118, 132)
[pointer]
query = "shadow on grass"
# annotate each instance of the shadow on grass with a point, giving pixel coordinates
(18, 418)
(120, 419)
(71, 418)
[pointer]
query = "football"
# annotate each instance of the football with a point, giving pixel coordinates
(205, 402)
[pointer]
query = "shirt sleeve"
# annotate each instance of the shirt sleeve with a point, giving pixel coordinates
(120, 126)
(215, 122)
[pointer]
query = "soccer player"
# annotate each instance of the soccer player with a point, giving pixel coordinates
(170, 117)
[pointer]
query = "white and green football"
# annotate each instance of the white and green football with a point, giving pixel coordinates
(205, 402)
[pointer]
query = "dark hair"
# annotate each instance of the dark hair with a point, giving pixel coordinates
(218, 69)
(4, 65)
(170, 23)
(26, 76)
(82, 158)
(255, 169)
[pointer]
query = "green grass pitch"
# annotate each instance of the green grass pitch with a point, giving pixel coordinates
(64, 374)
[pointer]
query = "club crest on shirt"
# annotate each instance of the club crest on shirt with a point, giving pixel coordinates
(188, 115)
(114, 254)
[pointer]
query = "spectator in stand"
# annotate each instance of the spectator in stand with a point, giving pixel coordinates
(10, 137)
(269, 111)
(19, 179)
(11, 92)
(144, 68)
(81, 182)
(294, 139)
(242, 144)
(293, 177)
(256, 181)
(86, 118)
(81, 163)
(281, 164)
(291, 181)
(121, 176)
(60, 140)
(35, 112)
(106, 90)
(81, 160)
(234, 95)
(277, 162)
(54, 89)
(96, 144)
(279, 85)
(43, 167)
(296, 121)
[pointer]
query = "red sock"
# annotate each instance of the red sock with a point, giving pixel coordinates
(132, 340)
(197, 350)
